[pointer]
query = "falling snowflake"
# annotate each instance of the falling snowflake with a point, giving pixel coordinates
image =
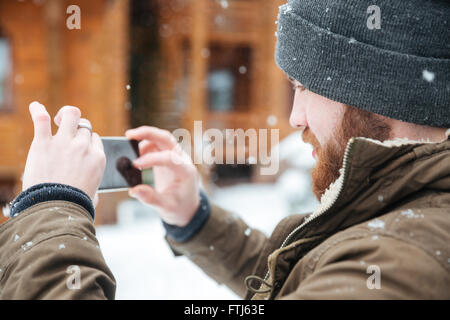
(352, 40)
(428, 75)
(242, 69)
(224, 4)
(272, 120)
(247, 232)
(128, 87)
(211, 248)
(219, 20)
(16, 237)
(19, 79)
(380, 198)
(205, 53)
(329, 79)
(61, 246)
(438, 253)
(165, 31)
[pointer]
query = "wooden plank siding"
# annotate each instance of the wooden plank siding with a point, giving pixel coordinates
(87, 68)
(90, 68)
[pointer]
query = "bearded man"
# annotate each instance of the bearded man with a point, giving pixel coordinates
(374, 104)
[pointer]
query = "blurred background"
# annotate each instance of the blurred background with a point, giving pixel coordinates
(165, 63)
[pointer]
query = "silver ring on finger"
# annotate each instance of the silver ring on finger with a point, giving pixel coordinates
(83, 125)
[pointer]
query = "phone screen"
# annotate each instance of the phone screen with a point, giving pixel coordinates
(120, 174)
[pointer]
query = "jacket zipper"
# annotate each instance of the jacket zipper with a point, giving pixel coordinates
(345, 167)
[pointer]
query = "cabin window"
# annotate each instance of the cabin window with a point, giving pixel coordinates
(5, 73)
(229, 78)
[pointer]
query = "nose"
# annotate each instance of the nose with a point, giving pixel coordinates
(298, 113)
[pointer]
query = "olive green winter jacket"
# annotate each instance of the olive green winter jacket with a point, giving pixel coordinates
(382, 231)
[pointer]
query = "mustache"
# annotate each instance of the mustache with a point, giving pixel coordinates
(310, 138)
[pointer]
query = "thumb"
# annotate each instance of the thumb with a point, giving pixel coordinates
(41, 121)
(145, 194)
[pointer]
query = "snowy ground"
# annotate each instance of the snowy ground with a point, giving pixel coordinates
(145, 268)
(142, 262)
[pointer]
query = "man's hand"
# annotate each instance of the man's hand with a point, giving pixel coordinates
(176, 192)
(73, 156)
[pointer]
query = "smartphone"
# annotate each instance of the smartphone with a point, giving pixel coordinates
(120, 174)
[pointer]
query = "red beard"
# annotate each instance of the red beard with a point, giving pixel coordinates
(354, 123)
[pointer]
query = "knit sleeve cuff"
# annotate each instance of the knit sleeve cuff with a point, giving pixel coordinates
(51, 192)
(183, 234)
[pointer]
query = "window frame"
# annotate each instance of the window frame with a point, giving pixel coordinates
(7, 105)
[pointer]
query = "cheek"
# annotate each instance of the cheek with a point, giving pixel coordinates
(323, 118)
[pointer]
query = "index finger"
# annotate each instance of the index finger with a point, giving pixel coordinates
(164, 139)
(164, 158)
(97, 142)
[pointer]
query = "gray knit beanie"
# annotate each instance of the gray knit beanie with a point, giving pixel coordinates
(390, 57)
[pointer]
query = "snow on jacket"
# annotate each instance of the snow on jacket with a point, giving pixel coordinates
(49, 251)
(381, 231)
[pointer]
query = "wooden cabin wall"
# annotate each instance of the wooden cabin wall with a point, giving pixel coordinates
(90, 68)
(87, 68)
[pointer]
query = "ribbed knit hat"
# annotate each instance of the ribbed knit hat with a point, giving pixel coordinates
(397, 66)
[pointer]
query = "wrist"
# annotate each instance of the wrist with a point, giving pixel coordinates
(200, 216)
(188, 218)
(51, 192)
